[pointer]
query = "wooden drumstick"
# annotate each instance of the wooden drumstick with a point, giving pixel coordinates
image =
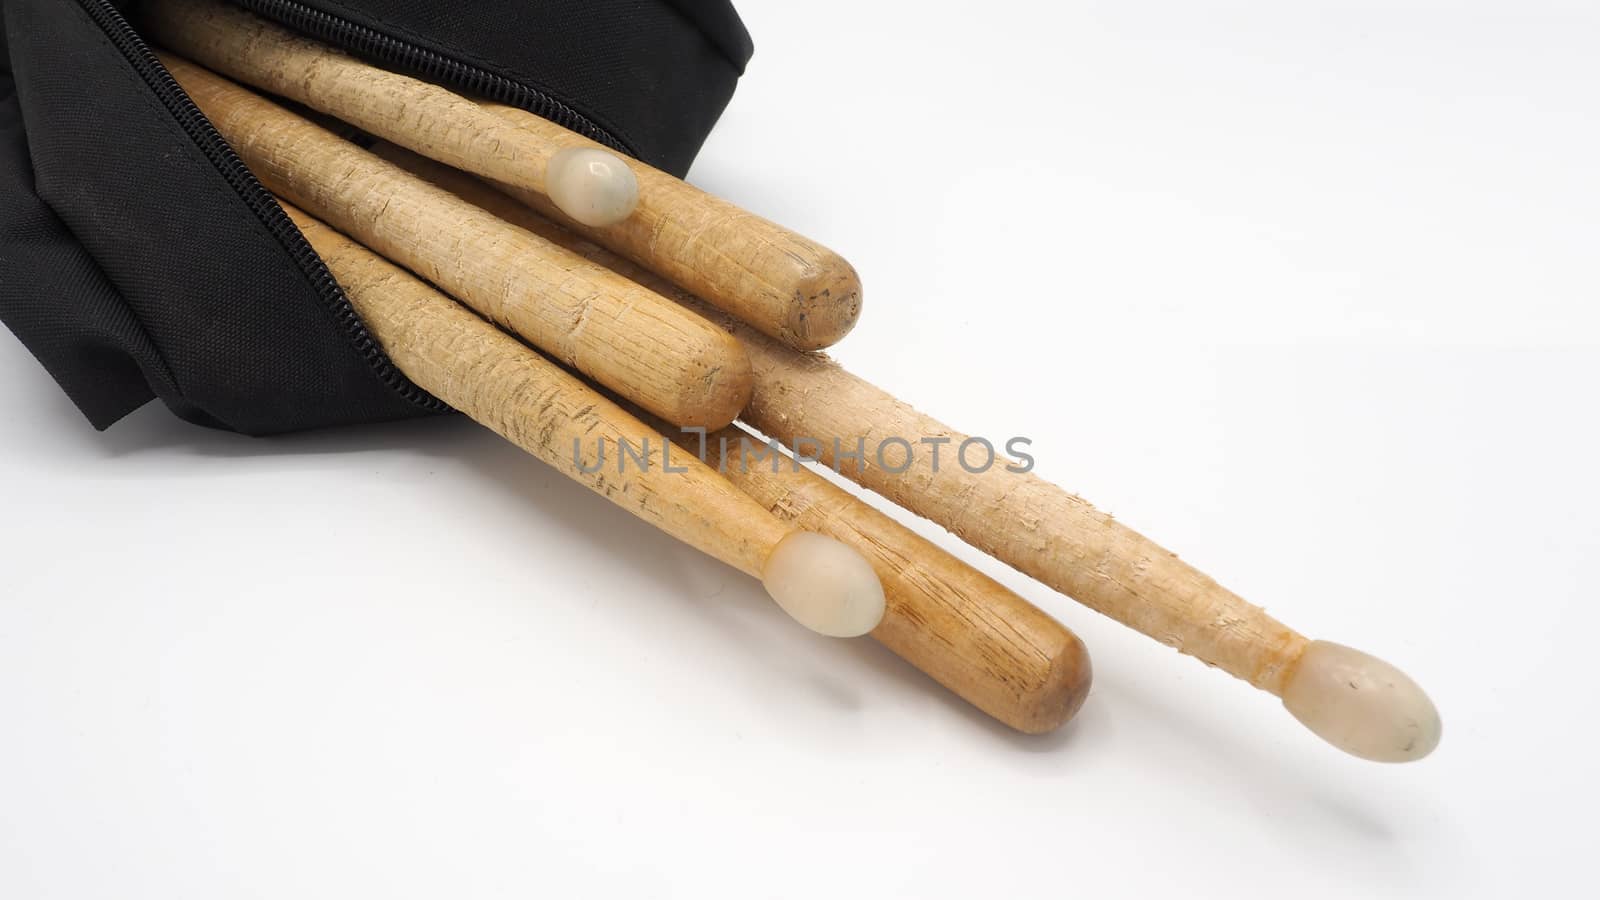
(654, 352)
(982, 642)
(1354, 701)
(781, 283)
(1358, 703)
(491, 377)
(986, 644)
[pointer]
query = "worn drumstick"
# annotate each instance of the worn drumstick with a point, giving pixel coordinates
(494, 379)
(628, 338)
(1356, 702)
(969, 633)
(783, 284)
(972, 635)
(433, 120)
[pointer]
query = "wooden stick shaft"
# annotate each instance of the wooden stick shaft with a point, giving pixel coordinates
(984, 643)
(1019, 518)
(628, 338)
(494, 379)
(785, 285)
(969, 633)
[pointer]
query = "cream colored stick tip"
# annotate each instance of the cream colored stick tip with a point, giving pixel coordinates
(1361, 704)
(592, 186)
(824, 585)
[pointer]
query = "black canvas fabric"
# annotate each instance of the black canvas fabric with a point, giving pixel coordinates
(139, 260)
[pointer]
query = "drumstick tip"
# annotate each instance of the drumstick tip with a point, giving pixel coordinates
(824, 585)
(1361, 704)
(592, 186)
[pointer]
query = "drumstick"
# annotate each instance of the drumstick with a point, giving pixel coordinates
(1356, 702)
(488, 375)
(783, 284)
(982, 642)
(670, 361)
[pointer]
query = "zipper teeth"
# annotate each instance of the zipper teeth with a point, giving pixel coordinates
(260, 201)
(431, 66)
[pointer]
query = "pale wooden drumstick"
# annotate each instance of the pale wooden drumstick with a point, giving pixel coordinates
(981, 641)
(491, 377)
(670, 361)
(1354, 701)
(783, 284)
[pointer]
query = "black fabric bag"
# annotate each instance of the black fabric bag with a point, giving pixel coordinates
(139, 258)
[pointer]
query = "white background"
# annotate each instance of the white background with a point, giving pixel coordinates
(1304, 290)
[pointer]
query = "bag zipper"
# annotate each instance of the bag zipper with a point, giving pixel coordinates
(396, 54)
(257, 198)
(366, 42)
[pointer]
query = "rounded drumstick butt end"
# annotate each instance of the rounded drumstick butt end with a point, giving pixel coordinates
(824, 585)
(827, 303)
(1361, 704)
(1054, 701)
(592, 186)
(716, 383)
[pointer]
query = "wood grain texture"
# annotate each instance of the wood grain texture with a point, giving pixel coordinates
(667, 359)
(786, 286)
(789, 287)
(1021, 519)
(497, 381)
(984, 643)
